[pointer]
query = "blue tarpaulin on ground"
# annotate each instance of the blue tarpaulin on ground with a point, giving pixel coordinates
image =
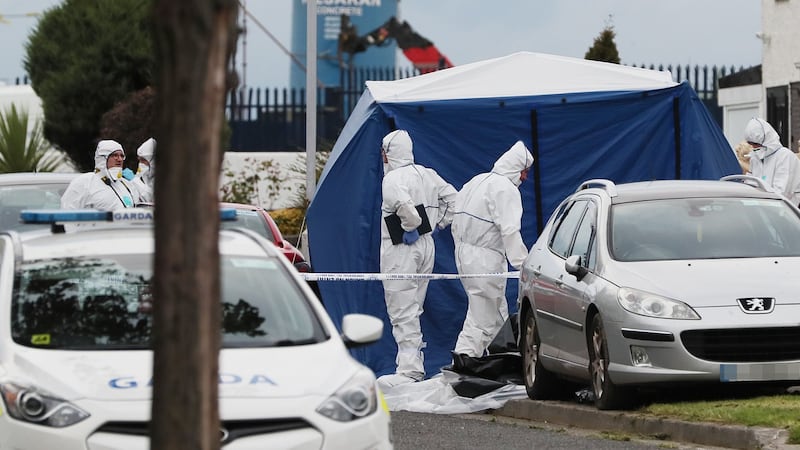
(581, 119)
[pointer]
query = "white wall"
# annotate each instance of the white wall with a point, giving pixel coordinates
(780, 36)
(237, 162)
(739, 104)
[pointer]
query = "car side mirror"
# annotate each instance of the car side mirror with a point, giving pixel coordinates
(360, 329)
(574, 267)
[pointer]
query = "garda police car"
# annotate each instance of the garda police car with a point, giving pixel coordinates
(75, 343)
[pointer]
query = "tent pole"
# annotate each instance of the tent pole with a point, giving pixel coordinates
(676, 117)
(537, 179)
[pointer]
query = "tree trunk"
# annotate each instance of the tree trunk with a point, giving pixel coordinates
(193, 42)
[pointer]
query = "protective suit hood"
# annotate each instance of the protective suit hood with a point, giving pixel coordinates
(147, 151)
(398, 148)
(759, 131)
(105, 148)
(513, 161)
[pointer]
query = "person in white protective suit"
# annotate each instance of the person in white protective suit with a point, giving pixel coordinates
(145, 174)
(771, 161)
(105, 188)
(486, 231)
(406, 186)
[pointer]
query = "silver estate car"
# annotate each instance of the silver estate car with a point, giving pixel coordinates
(662, 282)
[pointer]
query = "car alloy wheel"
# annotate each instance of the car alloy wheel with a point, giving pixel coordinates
(598, 363)
(540, 383)
(607, 394)
(530, 351)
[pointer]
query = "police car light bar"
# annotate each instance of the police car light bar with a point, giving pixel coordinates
(128, 215)
(60, 215)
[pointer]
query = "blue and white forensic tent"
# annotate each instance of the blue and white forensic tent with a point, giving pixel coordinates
(581, 119)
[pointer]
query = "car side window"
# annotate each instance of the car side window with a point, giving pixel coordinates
(585, 237)
(562, 238)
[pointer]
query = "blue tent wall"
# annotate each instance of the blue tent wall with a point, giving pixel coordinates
(622, 136)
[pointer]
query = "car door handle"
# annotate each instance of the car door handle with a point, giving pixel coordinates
(560, 281)
(536, 272)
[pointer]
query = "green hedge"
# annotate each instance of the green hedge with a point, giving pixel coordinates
(289, 220)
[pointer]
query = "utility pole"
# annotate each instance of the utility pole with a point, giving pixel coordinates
(311, 99)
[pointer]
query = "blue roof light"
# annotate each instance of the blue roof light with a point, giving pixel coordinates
(61, 215)
(227, 214)
(127, 215)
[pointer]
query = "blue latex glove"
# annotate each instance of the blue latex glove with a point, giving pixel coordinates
(409, 237)
(127, 174)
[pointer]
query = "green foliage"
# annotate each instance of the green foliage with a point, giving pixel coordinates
(82, 58)
(20, 152)
(131, 122)
(289, 220)
(300, 199)
(243, 186)
(604, 48)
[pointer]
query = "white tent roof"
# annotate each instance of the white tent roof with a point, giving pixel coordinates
(520, 74)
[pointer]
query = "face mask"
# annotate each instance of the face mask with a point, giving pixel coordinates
(143, 168)
(759, 152)
(115, 172)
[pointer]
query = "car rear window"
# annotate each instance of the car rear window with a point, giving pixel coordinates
(251, 220)
(702, 228)
(102, 303)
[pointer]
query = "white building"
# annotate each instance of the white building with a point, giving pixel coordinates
(771, 90)
(23, 97)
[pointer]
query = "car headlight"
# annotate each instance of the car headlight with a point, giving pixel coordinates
(652, 305)
(29, 405)
(356, 398)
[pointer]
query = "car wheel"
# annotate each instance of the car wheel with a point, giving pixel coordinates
(607, 395)
(540, 383)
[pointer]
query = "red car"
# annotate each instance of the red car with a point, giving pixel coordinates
(258, 219)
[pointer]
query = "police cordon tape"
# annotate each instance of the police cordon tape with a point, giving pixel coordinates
(308, 276)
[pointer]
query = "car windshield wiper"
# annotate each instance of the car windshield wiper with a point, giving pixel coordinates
(292, 342)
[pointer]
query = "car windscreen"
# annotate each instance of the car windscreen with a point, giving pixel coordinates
(103, 303)
(702, 228)
(251, 220)
(15, 198)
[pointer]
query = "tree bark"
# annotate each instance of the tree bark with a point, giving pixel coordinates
(193, 41)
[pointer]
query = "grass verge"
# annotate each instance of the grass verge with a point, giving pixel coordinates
(774, 411)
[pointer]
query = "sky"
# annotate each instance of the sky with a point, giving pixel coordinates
(668, 32)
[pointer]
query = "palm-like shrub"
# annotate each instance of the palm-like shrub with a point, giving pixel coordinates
(20, 151)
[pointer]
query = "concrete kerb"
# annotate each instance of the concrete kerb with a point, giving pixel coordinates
(589, 417)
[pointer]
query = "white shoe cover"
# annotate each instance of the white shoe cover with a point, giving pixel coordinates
(386, 382)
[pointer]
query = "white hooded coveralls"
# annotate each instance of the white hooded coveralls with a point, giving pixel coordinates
(99, 189)
(776, 164)
(406, 185)
(145, 175)
(486, 231)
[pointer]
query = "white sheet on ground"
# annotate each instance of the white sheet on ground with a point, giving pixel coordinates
(436, 395)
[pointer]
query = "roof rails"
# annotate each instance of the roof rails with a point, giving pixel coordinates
(750, 181)
(608, 185)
